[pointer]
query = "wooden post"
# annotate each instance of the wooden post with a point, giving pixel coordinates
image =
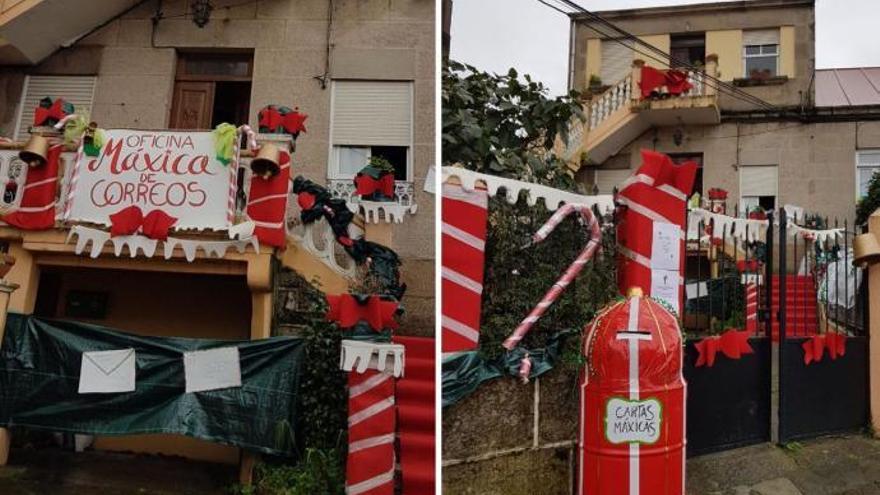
(711, 71)
(874, 329)
(6, 290)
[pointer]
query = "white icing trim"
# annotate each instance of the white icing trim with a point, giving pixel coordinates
(552, 197)
(216, 248)
(394, 211)
(99, 238)
(360, 356)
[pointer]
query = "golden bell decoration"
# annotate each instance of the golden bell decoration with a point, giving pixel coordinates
(36, 151)
(265, 164)
(866, 249)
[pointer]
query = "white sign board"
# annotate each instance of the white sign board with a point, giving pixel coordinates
(633, 421)
(212, 369)
(664, 286)
(665, 247)
(173, 171)
(107, 372)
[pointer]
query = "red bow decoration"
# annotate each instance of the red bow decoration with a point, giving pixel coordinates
(367, 185)
(732, 343)
(129, 220)
(653, 80)
(346, 310)
(55, 111)
(306, 200)
(814, 347)
(663, 170)
(273, 119)
(270, 118)
(294, 122)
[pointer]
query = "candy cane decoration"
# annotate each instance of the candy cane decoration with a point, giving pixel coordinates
(573, 270)
(252, 137)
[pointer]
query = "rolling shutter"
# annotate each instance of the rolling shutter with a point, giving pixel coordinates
(78, 90)
(758, 180)
(373, 113)
(761, 37)
(617, 61)
(608, 179)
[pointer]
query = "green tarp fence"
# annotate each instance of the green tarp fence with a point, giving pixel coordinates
(39, 377)
(464, 372)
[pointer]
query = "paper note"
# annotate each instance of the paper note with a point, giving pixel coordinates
(665, 247)
(664, 286)
(696, 290)
(430, 177)
(212, 369)
(107, 372)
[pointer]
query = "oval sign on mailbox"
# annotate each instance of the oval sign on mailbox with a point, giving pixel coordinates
(633, 421)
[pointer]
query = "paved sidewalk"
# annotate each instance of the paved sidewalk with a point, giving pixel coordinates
(55, 472)
(843, 465)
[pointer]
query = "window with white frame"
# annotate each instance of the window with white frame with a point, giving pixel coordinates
(78, 90)
(371, 118)
(758, 187)
(761, 53)
(867, 164)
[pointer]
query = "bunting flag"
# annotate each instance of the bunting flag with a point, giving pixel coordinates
(37, 209)
(653, 202)
(464, 216)
(267, 205)
(371, 430)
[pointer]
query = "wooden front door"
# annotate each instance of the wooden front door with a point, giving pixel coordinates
(192, 105)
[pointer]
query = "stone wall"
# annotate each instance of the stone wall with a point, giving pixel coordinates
(135, 62)
(513, 439)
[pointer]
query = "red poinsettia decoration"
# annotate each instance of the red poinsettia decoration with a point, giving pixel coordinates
(757, 214)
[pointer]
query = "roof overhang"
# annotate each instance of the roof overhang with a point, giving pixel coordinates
(31, 30)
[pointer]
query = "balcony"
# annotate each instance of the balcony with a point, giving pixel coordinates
(377, 211)
(619, 115)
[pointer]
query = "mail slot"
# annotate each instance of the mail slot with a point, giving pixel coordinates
(632, 411)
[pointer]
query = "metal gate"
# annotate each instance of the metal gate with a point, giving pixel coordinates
(822, 314)
(789, 289)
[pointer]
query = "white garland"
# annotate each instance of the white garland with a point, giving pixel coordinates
(359, 356)
(756, 230)
(553, 198)
(99, 238)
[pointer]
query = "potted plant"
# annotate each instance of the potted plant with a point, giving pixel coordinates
(717, 200)
(757, 213)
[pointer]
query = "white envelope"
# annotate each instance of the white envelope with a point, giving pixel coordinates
(107, 372)
(212, 369)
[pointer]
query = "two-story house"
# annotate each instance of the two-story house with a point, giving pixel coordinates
(363, 72)
(796, 147)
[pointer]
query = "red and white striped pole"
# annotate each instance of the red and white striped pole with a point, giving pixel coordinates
(372, 415)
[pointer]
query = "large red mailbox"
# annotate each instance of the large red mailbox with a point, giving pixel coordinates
(632, 415)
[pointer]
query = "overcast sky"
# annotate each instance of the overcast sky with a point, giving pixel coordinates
(495, 35)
